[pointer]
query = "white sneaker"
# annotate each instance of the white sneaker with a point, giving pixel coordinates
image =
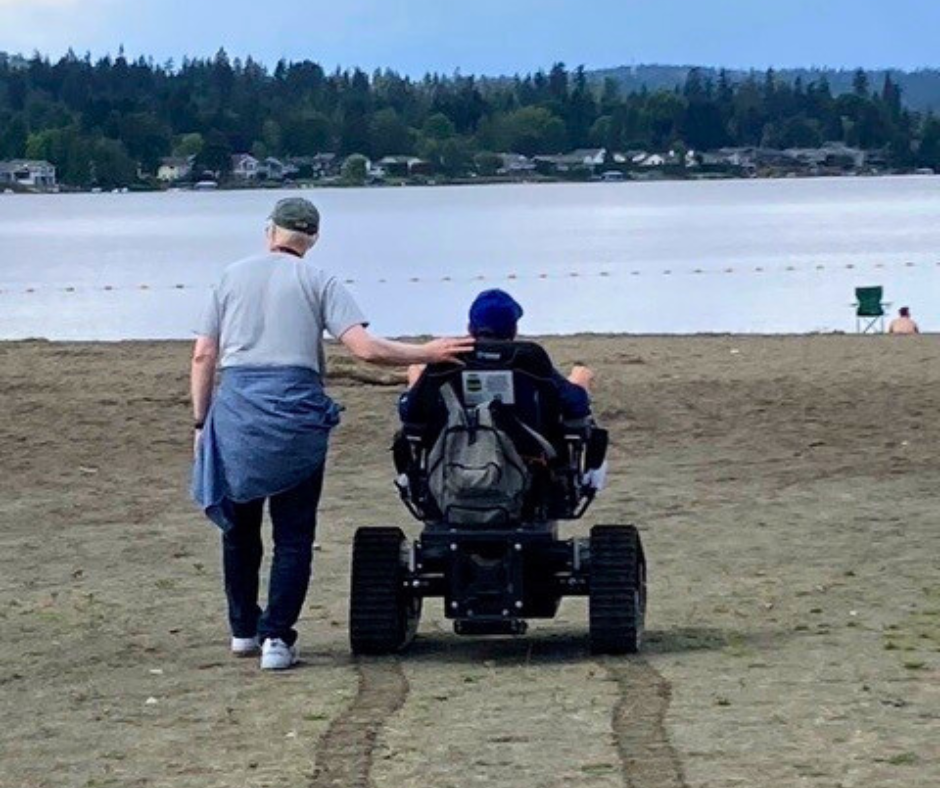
(246, 647)
(277, 655)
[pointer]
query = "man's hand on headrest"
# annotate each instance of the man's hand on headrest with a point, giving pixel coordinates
(447, 350)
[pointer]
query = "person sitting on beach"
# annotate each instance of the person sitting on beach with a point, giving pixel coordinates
(903, 324)
(494, 316)
(264, 434)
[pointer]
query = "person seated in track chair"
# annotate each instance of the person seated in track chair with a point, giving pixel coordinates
(546, 406)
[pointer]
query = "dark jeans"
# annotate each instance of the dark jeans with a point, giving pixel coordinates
(294, 517)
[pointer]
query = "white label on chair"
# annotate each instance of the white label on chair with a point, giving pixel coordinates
(480, 387)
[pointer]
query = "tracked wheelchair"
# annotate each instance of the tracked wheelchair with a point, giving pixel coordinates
(493, 430)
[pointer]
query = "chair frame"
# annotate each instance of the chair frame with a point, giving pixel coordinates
(870, 324)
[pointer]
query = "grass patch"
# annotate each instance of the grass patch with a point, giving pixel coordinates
(918, 632)
(598, 768)
(737, 645)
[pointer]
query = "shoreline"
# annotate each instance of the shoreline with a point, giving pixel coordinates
(483, 181)
(586, 336)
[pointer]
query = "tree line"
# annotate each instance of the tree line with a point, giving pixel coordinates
(109, 120)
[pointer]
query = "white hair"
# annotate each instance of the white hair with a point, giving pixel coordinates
(293, 239)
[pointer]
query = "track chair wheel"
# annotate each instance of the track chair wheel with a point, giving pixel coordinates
(383, 615)
(617, 590)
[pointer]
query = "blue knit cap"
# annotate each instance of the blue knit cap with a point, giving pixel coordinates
(494, 313)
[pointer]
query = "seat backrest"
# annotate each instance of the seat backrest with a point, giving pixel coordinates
(517, 373)
(869, 301)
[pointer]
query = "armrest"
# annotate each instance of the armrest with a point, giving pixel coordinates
(414, 429)
(403, 450)
(579, 426)
(595, 452)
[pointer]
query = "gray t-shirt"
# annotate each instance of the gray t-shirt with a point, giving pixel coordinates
(271, 311)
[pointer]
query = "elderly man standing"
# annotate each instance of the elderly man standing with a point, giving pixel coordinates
(264, 435)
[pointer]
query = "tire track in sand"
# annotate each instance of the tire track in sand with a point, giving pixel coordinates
(647, 757)
(344, 752)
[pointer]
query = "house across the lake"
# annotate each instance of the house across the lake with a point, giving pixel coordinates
(583, 159)
(32, 173)
(321, 165)
(244, 166)
(651, 160)
(515, 164)
(404, 166)
(175, 168)
(274, 169)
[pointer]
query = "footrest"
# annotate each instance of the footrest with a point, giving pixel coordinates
(490, 626)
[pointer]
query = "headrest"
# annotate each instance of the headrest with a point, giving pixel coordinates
(526, 357)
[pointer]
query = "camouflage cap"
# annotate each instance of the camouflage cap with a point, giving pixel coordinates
(296, 213)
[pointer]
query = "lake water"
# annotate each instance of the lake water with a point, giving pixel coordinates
(670, 257)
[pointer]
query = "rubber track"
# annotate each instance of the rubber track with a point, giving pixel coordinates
(612, 579)
(376, 625)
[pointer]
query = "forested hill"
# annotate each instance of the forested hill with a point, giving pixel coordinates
(921, 88)
(107, 120)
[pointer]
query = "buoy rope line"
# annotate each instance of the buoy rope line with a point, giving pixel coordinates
(603, 273)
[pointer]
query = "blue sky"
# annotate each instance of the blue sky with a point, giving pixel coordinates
(490, 36)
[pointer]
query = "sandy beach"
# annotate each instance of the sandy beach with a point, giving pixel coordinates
(787, 492)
